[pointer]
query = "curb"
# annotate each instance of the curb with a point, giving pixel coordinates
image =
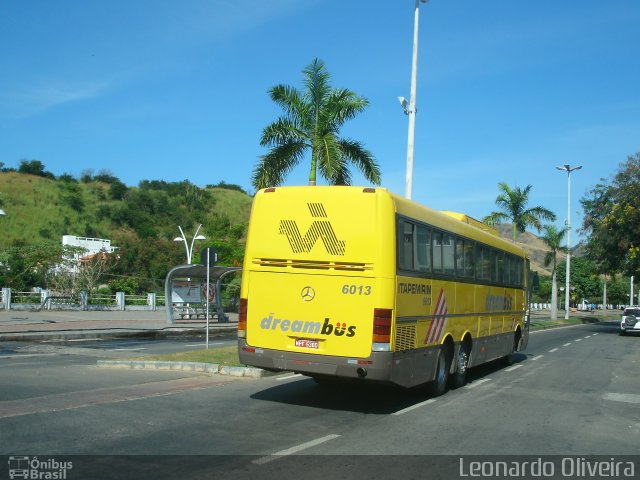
(209, 368)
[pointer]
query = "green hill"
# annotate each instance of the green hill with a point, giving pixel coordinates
(40, 209)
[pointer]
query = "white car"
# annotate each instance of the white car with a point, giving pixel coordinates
(630, 320)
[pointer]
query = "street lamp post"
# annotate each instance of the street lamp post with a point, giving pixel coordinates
(410, 109)
(568, 168)
(187, 247)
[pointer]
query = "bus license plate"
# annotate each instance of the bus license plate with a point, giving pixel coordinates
(305, 343)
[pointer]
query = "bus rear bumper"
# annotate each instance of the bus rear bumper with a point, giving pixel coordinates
(387, 367)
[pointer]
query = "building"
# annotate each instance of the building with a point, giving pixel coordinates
(92, 246)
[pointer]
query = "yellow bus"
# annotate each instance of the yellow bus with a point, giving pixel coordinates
(360, 283)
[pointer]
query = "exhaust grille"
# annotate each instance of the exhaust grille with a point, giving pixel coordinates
(405, 337)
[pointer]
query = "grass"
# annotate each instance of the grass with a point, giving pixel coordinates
(221, 356)
(235, 205)
(573, 320)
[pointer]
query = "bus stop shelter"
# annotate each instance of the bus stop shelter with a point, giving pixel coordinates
(186, 291)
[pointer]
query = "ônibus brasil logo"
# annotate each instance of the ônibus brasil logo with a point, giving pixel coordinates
(301, 326)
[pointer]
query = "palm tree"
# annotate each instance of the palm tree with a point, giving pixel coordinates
(312, 120)
(513, 205)
(553, 239)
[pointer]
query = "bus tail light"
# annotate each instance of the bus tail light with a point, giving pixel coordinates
(382, 325)
(242, 318)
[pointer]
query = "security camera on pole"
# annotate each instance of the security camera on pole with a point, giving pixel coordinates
(410, 108)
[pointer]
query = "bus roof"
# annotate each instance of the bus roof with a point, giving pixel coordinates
(453, 222)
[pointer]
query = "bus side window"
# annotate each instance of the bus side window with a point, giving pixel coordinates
(448, 254)
(424, 249)
(459, 257)
(478, 262)
(500, 267)
(406, 246)
(508, 269)
(486, 263)
(494, 266)
(469, 259)
(520, 272)
(437, 252)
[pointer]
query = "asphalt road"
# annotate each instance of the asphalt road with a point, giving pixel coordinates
(574, 392)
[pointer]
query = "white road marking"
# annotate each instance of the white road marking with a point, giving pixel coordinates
(623, 397)
(292, 450)
(566, 344)
(594, 334)
(538, 357)
(553, 350)
(515, 367)
(91, 339)
(295, 375)
(413, 407)
(578, 339)
(477, 383)
(128, 349)
(27, 355)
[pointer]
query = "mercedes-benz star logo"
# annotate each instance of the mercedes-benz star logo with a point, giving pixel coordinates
(308, 294)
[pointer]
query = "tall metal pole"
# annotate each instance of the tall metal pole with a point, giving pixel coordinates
(568, 168)
(412, 102)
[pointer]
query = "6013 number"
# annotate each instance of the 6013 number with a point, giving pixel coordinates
(356, 290)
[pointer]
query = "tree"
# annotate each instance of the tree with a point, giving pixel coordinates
(117, 190)
(76, 272)
(24, 266)
(585, 281)
(553, 238)
(92, 269)
(34, 167)
(612, 220)
(312, 120)
(513, 207)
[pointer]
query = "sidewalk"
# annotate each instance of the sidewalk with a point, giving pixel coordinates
(19, 325)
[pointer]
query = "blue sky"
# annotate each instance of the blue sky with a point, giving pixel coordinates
(172, 90)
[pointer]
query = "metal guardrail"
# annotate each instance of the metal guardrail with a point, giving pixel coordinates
(38, 301)
(67, 300)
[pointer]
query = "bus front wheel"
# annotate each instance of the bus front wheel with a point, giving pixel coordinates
(509, 358)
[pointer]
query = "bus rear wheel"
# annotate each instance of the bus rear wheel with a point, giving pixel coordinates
(459, 378)
(439, 384)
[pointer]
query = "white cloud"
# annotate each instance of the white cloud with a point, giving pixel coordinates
(26, 101)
